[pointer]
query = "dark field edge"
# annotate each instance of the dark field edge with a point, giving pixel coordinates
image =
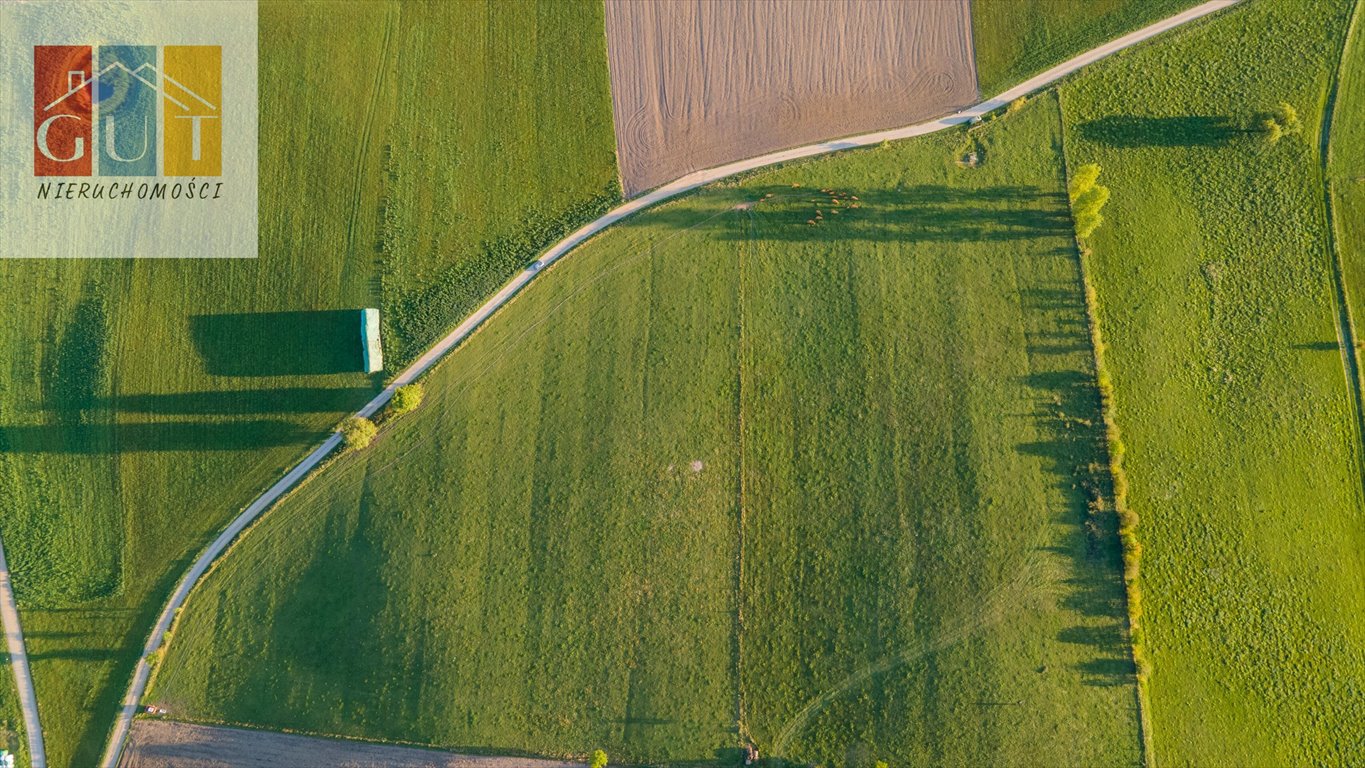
(1113, 458)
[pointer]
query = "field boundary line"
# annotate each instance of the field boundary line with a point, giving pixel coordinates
(742, 500)
(137, 686)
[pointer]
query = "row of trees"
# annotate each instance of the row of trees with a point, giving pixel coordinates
(1088, 198)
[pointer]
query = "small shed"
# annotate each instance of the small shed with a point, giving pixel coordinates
(372, 350)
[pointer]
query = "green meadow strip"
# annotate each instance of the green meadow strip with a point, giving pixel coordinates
(1114, 452)
(1336, 232)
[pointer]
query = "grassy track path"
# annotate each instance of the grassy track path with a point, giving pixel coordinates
(692, 181)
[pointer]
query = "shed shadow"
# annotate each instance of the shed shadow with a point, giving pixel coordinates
(153, 437)
(246, 401)
(278, 343)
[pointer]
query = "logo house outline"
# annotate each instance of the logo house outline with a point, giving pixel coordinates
(109, 121)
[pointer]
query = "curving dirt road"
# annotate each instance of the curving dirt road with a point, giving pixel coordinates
(119, 735)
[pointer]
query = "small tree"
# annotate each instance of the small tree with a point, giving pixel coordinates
(599, 759)
(1087, 199)
(1084, 178)
(1282, 121)
(406, 398)
(1287, 117)
(357, 433)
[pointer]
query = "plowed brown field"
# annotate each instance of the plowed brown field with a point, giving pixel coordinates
(169, 744)
(698, 83)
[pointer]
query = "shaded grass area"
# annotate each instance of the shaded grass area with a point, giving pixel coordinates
(1016, 39)
(803, 464)
(1214, 284)
(277, 343)
(142, 404)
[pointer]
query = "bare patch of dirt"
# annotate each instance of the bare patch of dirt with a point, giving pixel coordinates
(699, 83)
(169, 744)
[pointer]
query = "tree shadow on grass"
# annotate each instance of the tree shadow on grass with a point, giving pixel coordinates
(921, 213)
(335, 627)
(1075, 453)
(1130, 131)
(279, 343)
(76, 654)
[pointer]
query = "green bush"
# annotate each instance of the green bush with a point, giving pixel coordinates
(406, 399)
(1083, 179)
(1087, 199)
(358, 432)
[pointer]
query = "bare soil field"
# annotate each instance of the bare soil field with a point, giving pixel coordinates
(169, 744)
(698, 83)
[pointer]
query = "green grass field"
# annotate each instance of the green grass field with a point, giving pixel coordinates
(1214, 281)
(1348, 124)
(725, 468)
(1016, 39)
(803, 464)
(142, 404)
